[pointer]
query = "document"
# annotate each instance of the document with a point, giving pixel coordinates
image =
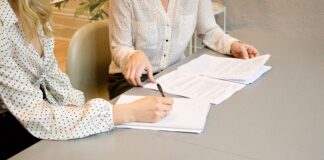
(232, 69)
(193, 86)
(187, 115)
(256, 76)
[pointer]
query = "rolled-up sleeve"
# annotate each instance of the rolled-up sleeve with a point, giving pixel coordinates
(212, 35)
(76, 119)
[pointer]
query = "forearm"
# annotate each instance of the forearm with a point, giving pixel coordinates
(217, 40)
(46, 121)
(122, 114)
(212, 35)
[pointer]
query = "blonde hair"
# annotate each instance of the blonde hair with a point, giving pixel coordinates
(35, 13)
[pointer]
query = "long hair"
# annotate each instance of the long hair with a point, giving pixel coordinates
(35, 13)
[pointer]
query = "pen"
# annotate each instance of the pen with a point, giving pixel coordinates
(160, 89)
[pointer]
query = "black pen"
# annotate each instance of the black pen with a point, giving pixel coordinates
(160, 89)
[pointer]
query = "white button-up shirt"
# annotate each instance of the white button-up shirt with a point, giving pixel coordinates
(60, 111)
(162, 35)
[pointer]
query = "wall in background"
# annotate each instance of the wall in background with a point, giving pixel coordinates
(289, 17)
(68, 8)
(64, 21)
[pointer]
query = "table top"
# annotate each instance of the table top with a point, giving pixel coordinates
(280, 116)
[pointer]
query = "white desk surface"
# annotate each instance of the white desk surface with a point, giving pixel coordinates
(279, 117)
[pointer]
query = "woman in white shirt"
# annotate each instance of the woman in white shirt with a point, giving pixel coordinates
(34, 91)
(148, 36)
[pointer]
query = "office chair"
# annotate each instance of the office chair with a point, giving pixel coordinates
(88, 60)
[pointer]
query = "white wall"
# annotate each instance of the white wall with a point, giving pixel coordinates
(294, 18)
(289, 17)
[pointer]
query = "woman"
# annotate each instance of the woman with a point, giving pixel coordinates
(149, 36)
(34, 91)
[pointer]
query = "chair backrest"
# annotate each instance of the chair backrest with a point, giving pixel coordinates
(89, 58)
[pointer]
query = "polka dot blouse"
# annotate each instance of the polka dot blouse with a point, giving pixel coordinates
(38, 94)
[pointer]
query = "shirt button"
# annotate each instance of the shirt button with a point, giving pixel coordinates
(167, 40)
(164, 55)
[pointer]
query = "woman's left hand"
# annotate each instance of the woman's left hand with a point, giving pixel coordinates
(243, 51)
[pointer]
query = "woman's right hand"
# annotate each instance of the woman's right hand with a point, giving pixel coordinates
(148, 109)
(136, 66)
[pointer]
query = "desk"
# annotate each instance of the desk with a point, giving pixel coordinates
(279, 117)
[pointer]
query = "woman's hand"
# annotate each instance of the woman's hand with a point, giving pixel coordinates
(137, 64)
(243, 51)
(148, 109)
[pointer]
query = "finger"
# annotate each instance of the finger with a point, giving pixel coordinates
(255, 51)
(164, 107)
(127, 74)
(149, 71)
(132, 76)
(138, 75)
(244, 52)
(252, 52)
(167, 100)
(157, 116)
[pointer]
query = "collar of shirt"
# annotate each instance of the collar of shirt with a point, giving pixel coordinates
(7, 15)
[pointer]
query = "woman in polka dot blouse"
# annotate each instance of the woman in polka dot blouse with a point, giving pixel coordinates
(37, 95)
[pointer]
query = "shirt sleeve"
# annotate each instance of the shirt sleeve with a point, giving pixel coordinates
(212, 35)
(120, 32)
(59, 85)
(40, 118)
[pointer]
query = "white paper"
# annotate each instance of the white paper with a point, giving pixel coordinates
(225, 68)
(186, 116)
(196, 87)
(256, 76)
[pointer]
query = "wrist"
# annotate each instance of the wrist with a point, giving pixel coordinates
(137, 53)
(233, 47)
(130, 54)
(123, 113)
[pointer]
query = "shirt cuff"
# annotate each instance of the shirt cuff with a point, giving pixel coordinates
(102, 110)
(228, 46)
(219, 41)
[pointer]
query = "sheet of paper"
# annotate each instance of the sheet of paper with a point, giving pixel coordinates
(225, 68)
(196, 87)
(187, 115)
(256, 76)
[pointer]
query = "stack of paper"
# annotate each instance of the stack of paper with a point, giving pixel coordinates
(186, 116)
(205, 80)
(213, 79)
(196, 87)
(230, 69)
